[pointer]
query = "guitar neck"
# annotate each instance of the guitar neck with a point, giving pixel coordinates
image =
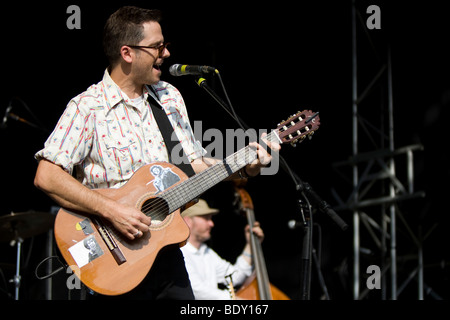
(193, 187)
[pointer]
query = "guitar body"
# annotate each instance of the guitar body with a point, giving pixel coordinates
(113, 264)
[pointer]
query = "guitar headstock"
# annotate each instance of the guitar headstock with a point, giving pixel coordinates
(298, 127)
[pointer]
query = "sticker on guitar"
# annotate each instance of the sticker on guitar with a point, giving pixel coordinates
(85, 251)
(164, 177)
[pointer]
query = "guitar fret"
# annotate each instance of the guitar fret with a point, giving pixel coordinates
(199, 183)
(196, 185)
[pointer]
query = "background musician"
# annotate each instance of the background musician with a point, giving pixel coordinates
(205, 267)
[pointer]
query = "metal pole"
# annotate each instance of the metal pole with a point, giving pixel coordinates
(17, 278)
(356, 244)
(392, 187)
(49, 252)
(420, 266)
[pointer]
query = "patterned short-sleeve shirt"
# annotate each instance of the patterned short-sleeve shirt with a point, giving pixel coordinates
(107, 138)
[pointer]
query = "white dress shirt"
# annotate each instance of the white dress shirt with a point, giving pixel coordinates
(206, 269)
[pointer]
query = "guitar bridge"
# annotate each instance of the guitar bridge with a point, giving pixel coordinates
(110, 242)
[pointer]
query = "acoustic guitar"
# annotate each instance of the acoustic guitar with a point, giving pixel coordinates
(110, 264)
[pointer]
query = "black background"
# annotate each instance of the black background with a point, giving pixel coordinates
(276, 58)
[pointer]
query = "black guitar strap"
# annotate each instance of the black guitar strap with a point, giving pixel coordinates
(167, 130)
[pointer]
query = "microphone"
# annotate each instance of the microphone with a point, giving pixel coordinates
(177, 70)
(294, 224)
(5, 117)
(324, 206)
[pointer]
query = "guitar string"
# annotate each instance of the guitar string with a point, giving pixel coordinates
(159, 211)
(183, 195)
(159, 206)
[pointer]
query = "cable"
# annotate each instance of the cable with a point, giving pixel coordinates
(229, 103)
(51, 274)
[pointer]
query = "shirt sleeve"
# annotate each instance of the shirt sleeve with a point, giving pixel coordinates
(70, 141)
(239, 271)
(202, 274)
(243, 270)
(208, 269)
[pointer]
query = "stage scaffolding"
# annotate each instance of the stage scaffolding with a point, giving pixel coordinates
(376, 182)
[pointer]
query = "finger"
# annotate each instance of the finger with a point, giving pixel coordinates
(146, 220)
(137, 234)
(129, 235)
(263, 156)
(143, 227)
(141, 222)
(257, 228)
(258, 231)
(271, 144)
(254, 145)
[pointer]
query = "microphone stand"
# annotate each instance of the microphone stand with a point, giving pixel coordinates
(303, 188)
(10, 115)
(305, 267)
(31, 124)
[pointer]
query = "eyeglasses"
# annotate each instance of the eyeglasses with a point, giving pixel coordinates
(159, 47)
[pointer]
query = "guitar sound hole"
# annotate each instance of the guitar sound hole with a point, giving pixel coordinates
(157, 209)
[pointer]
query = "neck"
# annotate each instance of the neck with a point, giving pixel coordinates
(195, 244)
(121, 75)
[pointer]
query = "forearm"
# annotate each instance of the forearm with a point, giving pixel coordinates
(72, 195)
(68, 192)
(247, 254)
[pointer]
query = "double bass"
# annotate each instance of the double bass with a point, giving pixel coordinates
(257, 286)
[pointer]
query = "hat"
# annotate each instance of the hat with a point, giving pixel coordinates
(199, 209)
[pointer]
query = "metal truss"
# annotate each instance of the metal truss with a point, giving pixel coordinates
(377, 185)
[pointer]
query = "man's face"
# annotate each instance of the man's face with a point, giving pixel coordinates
(146, 66)
(201, 227)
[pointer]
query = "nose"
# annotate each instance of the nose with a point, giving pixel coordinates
(166, 53)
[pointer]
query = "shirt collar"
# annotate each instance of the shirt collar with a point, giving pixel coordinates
(200, 251)
(114, 95)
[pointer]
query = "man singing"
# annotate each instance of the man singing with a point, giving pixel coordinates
(108, 132)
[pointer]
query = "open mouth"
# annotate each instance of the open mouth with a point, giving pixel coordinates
(157, 67)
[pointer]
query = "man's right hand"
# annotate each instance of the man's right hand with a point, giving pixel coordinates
(128, 220)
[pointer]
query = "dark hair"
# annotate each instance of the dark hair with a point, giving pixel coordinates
(124, 27)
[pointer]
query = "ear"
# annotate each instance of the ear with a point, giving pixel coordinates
(127, 54)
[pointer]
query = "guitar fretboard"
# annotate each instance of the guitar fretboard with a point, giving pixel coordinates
(193, 187)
